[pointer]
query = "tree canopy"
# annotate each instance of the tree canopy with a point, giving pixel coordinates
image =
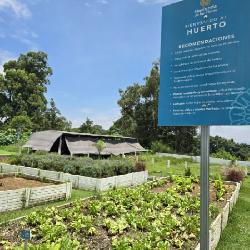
(23, 85)
(139, 110)
(89, 127)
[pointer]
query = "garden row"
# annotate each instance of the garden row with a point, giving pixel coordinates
(162, 214)
(78, 181)
(14, 193)
(78, 165)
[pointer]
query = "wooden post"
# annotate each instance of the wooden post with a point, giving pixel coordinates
(68, 190)
(186, 165)
(27, 197)
(60, 146)
(168, 164)
(137, 158)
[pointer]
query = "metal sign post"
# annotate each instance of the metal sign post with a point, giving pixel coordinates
(201, 82)
(204, 192)
(26, 236)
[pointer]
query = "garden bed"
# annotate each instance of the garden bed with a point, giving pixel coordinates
(12, 183)
(78, 181)
(161, 214)
(27, 191)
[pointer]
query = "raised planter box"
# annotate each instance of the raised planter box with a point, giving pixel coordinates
(81, 182)
(27, 197)
(220, 222)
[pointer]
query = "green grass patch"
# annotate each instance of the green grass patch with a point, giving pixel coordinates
(4, 152)
(9, 150)
(157, 165)
(76, 194)
(237, 233)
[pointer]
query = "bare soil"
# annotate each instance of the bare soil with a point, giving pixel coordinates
(12, 183)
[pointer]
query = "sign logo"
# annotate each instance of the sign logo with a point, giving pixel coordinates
(205, 3)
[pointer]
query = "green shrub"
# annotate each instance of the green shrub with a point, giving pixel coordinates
(222, 154)
(9, 136)
(158, 146)
(77, 165)
(140, 166)
(235, 174)
(187, 171)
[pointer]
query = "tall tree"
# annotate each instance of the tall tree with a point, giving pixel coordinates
(23, 85)
(54, 120)
(139, 109)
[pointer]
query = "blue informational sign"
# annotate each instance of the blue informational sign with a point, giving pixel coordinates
(205, 63)
(25, 234)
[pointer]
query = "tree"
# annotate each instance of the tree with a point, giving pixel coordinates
(23, 85)
(89, 127)
(100, 145)
(139, 109)
(54, 120)
(21, 123)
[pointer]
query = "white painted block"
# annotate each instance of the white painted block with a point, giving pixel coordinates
(138, 178)
(225, 215)
(50, 175)
(123, 180)
(105, 183)
(30, 171)
(6, 168)
(87, 183)
(216, 232)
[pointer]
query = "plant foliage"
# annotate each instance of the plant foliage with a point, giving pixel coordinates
(76, 165)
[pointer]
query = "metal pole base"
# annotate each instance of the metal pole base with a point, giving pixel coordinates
(204, 185)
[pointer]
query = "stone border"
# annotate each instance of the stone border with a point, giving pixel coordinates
(219, 224)
(78, 181)
(28, 197)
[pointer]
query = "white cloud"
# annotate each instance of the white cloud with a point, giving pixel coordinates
(158, 1)
(238, 133)
(19, 9)
(4, 57)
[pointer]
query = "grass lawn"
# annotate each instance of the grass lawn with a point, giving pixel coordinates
(76, 194)
(237, 233)
(9, 150)
(4, 152)
(177, 166)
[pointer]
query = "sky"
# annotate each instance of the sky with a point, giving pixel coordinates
(95, 48)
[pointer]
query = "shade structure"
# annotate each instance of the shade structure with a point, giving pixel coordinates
(82, 144)
(43, 140)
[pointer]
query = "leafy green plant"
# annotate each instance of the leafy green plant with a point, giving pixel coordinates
(162, 214)
(187, 171)
(220, 188)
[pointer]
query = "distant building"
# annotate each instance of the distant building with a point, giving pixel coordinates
(70, 143)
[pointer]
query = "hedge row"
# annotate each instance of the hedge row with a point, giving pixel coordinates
(77, 165)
